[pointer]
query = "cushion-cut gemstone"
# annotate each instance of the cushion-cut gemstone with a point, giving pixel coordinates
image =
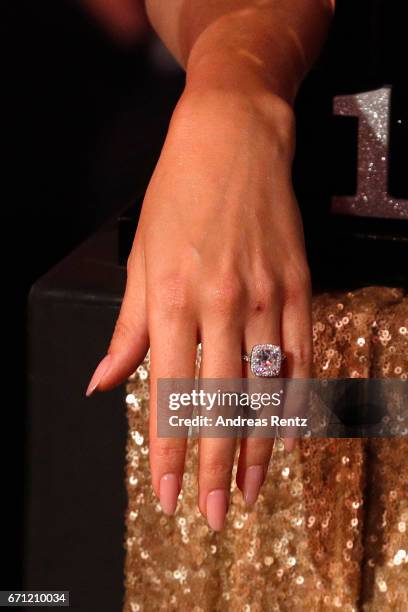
(266, 360)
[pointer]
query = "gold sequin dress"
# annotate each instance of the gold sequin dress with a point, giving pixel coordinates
(329, 530)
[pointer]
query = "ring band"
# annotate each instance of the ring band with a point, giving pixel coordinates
(265, 360)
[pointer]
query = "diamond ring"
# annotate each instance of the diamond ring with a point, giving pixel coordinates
(265, 359)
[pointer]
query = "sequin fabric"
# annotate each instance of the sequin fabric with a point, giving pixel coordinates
(330, 528)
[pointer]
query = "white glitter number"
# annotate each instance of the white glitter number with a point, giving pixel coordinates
(372, 108)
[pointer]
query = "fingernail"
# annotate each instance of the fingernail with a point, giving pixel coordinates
(253, 479)
(216, 509)
(99, 373)
(289, 444)
(168, 491)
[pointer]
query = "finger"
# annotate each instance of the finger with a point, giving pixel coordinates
(173, 347)
(263, 327)
(221, 358)
(129, 343)
(297, 345)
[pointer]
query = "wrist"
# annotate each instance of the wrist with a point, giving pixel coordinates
(207, 107)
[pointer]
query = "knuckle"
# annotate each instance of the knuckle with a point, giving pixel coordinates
(215, 471)
(169, 453)
(171, 295)
(122, 331)
(297, 284)
(265, 295)
(223, 295)
(302, 356)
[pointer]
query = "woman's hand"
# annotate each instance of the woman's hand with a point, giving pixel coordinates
(218, 258)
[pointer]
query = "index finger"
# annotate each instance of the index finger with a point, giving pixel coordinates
(173, 348)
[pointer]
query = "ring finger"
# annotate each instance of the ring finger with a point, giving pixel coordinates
(255, 452)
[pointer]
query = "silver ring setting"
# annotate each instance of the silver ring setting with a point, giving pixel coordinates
(265, 360)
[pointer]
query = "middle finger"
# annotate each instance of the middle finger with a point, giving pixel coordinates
(221, 358)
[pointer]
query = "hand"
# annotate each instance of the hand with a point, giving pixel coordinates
(218, 258)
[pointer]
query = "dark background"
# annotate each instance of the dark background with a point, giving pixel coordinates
(83, 120)
(82, 125)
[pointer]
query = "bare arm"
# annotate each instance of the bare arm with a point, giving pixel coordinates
(243, 42)
(229, 41)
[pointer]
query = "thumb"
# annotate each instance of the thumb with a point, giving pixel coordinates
(130, 341)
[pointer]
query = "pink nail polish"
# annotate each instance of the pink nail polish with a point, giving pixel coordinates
(289, 444)
(216, 509)
(169, 490)
(99, 373)
(253, 479)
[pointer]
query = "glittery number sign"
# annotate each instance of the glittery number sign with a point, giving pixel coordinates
(372, 109)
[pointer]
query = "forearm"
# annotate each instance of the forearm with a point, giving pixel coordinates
(242, 44)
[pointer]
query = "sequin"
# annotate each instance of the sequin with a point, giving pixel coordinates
(400, 557)
(285, 472)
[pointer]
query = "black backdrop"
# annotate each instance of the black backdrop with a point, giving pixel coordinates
(82, 123)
